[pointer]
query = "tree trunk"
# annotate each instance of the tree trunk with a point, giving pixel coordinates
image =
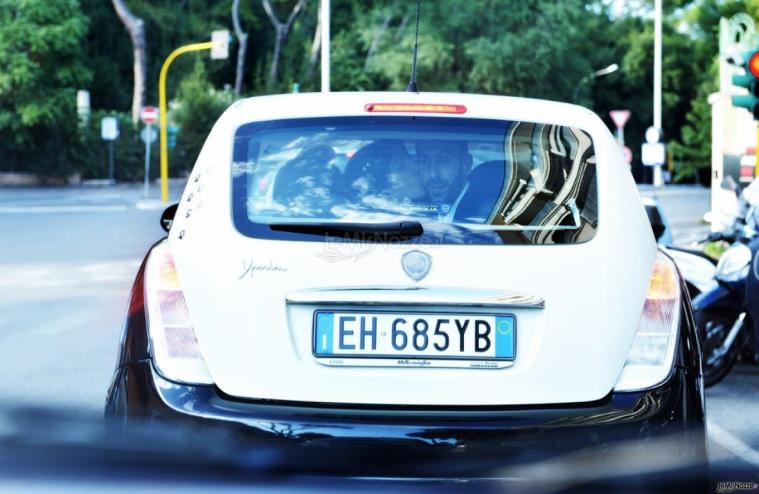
(401, 27)
(275, 58)
(281, 30)
(317, 43)
(376, 40)
(136, 28)
(242, 39)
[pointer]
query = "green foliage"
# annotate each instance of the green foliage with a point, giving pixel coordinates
(475, 46)
(198, 107)
(551, 32)
(692, 147)
(42, 67)
(692, 153)
(90, 151)
(542, 48)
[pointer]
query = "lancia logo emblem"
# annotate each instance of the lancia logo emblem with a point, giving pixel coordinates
(416, 264)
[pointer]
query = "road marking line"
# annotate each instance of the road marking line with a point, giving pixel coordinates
(58, 325)
(733, 444)
(20, 277)
(150, 205)
(689, 225)
(62, 209)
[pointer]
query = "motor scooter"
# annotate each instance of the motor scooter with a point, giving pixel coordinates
(727, 315)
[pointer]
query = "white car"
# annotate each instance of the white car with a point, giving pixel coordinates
(413, 275)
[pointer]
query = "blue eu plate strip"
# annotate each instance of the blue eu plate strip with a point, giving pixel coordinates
(324, 325)
(504, 336)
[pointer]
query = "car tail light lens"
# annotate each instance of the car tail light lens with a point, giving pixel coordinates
(414, 108)
(175, 349)
(653, 350)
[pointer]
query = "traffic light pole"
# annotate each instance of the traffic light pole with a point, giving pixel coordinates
(325, 13)
(657, 178)
(162, 114)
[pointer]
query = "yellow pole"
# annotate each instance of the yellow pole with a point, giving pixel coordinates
(756, 153)
(162, 110)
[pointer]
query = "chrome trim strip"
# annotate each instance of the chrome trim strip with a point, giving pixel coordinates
(415, 296)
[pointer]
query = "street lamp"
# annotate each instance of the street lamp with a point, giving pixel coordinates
(598, 73)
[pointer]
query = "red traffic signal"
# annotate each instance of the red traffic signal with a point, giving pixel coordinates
(752, 65)
(750, 81)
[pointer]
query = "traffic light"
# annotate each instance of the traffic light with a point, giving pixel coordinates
(171, 134)
(749, 81)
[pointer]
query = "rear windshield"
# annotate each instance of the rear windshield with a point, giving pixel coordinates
(470, 181)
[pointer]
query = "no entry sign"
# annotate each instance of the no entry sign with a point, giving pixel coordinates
(149, 115)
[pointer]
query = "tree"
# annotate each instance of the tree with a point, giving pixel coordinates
(553, 33)
(136, 28)
(242, 39)
(692, 153)
(281, 29)
(43, 66)
(374, 46)
(537, 49)
(199, 106)
(690, 47)
(475, 46)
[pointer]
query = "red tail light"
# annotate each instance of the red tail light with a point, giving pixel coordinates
(414, 108)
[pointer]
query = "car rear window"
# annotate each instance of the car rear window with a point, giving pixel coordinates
(475, 181)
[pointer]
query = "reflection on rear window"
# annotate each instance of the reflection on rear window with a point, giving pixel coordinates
(466, 180)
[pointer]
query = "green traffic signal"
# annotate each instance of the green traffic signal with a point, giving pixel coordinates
(171, 134)
(749, 81)
(747, 101)
(742, 80)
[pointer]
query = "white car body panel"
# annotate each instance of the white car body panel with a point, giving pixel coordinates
(257, 345)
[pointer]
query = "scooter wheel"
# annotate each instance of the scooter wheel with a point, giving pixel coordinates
(713, 328)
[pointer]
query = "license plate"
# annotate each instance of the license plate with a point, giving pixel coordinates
(414, 339)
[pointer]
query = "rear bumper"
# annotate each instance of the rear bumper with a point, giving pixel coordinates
(617, 431)
(400, 441)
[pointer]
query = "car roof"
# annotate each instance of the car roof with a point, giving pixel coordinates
(310, 105)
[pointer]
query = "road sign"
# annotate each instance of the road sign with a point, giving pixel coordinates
(620, 117)
(628, 154)
(653, 135)
(148, 134)
(149, 115)
(83, 104)
(220, 40)
(653, 154)
(109, 128)
(109, 131)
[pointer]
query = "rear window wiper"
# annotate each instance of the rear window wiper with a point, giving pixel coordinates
(395, 230)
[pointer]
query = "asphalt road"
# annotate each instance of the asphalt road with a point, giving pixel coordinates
(67, 261)
(68, 257)
(684, 207)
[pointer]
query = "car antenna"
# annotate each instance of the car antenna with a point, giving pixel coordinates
(412, 87)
